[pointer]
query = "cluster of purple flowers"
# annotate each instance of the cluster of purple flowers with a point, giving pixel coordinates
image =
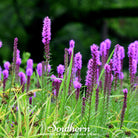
(98, 61)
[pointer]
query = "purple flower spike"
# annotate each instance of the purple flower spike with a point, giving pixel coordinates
(78, 65)
(132, 61)
(78, 61)
(60, 70)
(39, 69)
(5, 74)
(0, 44)
(116, 60)
(30, 100)
(116, 63)
(29, 72)
(30, 63)
(18, 53)
(5, 77)
(22, 79)
(77, 86)
(95, 54)
(7, 65)
(125, 91)
(71, 43)
(103, 48)
(0, 72)
(108, 43)
(122, 52)
(46, 33)
(18, 61)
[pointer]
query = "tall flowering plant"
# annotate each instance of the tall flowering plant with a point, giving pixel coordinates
(46, 37)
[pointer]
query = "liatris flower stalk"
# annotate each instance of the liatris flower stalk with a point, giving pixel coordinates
(7, 65)
(108, 45)
(122, 55)
(46, 37)
(83, 105)
(89, 82)
(30, 100)
(71, 53)
(0, 72)
(71, 46)
(18, 63)
(57, 83)
(22, 80)
(96, 61)
(39, 71)
(136, 50)
(5, 77)
(103, 52)
(106, 80)
(116, 63)
(60, 70)
(29, 73)
(15, 54)
(0, 44)
(132, 62)
(29, 64)
(125, 91)
(77, 86)
(78, 65)
(97, 100)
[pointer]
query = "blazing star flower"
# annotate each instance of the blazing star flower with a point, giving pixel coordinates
(18, 61)
(136, 50)
(78, 61)
(71, 43)
(39, 69)
(18, 53)
(116, 60)
(0, 72)
(108, 43)
(7, 65)
(5, 73)
(0, 44)
(60, 70)
(122, 52)
(88, 80)
(29, 64)
(46, 33)
(77, 86)
(103, 48)
(29, 72)
(125, 91)
(22, 77)
(132, 61)
(95, 54)
(5, 77)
